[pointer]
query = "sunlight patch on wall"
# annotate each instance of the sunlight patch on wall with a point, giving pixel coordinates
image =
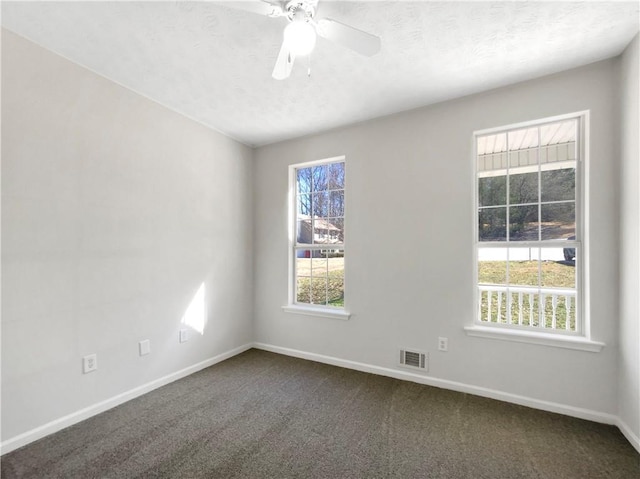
(195, 316)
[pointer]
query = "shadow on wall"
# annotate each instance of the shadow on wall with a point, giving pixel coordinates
(195, 316)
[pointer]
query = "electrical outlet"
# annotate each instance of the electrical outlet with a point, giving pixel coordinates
(145, 347)
(443, 344)
(184, 335)
(89, 363)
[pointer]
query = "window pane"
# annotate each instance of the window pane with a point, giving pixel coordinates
(323, 231)
(524, 307)
(303, 290)
(490, 144)
(304, 231)
(304, 180)
(320, 177)
(303, 262)
(492, 191)
(320, 204)
(319, 264)
(492, 224)
(569, 252)
(558, 273)
(492, 266)
(558, 133)
(558, 221)
(551, 254)
(493, 305)
(336, 230)
(523, 223)
(336, 176)
(523, 188)
(523, 267)
(336, 203)
(319, 290)
(558, 185)
(559, 308)
(335, 284)
(523, 151)
(304, 205)
(303, 273)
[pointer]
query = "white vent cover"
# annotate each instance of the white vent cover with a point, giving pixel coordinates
(414, 359)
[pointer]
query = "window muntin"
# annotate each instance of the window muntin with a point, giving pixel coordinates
(318, 246)
(528, 227)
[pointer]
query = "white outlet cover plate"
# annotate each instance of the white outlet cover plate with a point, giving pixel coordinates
(184, 335)
(89, 363)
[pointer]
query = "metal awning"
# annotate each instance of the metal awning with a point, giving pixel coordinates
(551, 134)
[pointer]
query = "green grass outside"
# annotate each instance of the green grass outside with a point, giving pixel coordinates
(525, 273)
(338, 303)
(328, 290)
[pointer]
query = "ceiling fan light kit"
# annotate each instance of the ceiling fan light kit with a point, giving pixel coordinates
(299, 36)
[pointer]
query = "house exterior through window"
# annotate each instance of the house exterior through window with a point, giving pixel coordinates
(317, 248)
(529, 228)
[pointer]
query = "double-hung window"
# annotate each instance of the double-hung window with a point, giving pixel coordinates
(529, 227)
(317, 236)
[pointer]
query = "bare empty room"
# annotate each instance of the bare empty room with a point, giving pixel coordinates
(320, 239)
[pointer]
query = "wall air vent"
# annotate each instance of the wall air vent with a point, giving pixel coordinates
(414, 359)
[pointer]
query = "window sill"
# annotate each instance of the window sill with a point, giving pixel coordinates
(317, 311)
(532, 337)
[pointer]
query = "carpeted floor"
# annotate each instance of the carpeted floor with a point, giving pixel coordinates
(263, 415)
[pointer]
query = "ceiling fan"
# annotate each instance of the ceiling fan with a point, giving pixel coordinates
(300, 34)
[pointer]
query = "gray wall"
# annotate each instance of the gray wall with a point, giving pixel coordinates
(629, 364)
(115, 211)
(409, 243)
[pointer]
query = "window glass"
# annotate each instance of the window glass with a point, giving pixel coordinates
(558, 221)
(523, 223)
(558, 185)
(318, 250)
(492, 266)
(523, 188)
(492, 191)
(528, 231)
(492, 224)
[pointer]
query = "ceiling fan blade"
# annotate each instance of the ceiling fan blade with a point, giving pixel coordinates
(284, 63)
(357, 40)
(261, 7)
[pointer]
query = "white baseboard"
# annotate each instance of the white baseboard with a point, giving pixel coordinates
(567, 410)
(629, 434)
(75, 417)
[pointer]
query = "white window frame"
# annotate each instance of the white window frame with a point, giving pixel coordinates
(580, 339)
(292, 306)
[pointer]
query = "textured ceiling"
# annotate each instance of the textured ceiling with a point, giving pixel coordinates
(213, 63)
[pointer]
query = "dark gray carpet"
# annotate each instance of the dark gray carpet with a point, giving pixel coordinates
(262, 415)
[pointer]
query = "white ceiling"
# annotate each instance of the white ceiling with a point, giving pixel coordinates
(213, 63)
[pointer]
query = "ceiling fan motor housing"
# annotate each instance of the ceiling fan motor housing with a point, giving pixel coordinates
(301, 9)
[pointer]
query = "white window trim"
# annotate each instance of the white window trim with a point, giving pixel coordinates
(580, 343)
(581, 340)
(331, 312)
(320, 311)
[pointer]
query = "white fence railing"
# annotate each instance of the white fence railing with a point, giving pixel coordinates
(543, 308)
